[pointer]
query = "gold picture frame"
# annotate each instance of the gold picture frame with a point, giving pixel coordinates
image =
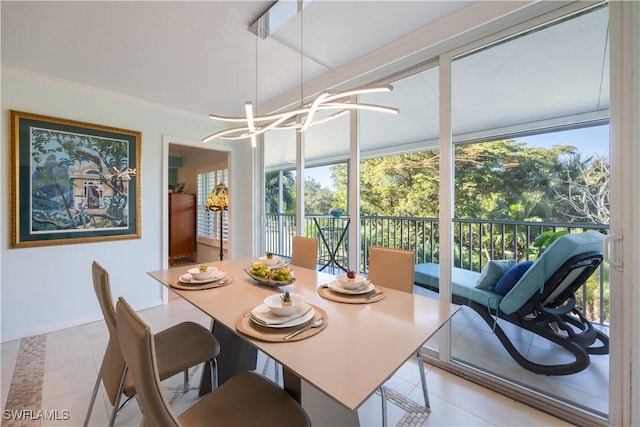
(72, 182)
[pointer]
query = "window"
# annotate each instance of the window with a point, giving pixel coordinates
(528, 117)
(209, 222)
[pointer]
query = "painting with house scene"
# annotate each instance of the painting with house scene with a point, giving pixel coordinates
(72, 182)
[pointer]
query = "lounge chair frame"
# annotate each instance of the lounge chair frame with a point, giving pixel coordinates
(552, 314)
(559, 320)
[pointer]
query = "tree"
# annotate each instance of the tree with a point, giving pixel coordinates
(403, 185)
(584, 189)
(505, 173)
(317, 199)
(503, 179)
(272, 192)
(55, 155)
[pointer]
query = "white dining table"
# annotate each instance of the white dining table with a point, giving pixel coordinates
(361, 347)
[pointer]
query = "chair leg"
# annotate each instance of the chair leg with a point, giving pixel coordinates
(185, 387)
(125, 403)
(423, 380)
(383, 398)
(93, 400)
(214, 373)
(116, 406)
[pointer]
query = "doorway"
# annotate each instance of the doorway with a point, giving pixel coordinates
(189, 171)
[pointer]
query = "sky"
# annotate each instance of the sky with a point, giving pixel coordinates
(589, 140)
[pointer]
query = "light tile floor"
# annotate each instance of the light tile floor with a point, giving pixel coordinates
(56, 373)
(474, 342)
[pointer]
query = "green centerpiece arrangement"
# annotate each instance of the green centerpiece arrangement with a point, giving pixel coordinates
(286, 299)
(270, 276)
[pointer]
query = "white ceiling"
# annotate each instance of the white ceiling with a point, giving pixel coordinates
(550, 77)
(199, 56)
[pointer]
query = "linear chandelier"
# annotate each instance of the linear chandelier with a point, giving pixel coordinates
(299, 119)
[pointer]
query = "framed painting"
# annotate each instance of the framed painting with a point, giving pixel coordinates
(72, 182)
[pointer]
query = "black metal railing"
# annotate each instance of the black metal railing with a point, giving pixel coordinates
(475, 241)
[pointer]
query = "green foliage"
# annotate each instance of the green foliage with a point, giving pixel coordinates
(542, 242)
(497, 180)
(402, 185)
(272, 192)
(318, 200)
(502, 179)
(516, 179)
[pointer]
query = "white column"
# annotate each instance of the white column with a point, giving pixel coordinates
(624, 356)
(354, 191)
(445, 215)
(300, 166)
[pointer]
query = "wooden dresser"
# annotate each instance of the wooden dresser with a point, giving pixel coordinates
(182, 226)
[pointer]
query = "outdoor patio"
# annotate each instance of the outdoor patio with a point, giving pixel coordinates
(473, 343)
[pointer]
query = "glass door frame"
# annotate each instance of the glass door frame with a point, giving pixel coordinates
(617, 394)
(625, 152)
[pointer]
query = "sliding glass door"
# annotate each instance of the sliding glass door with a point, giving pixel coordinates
(530, 126)
(497, 142)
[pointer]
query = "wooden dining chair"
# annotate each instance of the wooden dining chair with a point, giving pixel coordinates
(394, 268)
(247, 399)
(304, 252)
(180, 347)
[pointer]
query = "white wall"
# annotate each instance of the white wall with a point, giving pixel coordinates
(49, 288)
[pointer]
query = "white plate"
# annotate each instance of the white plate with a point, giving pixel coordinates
(262, 312)
(281, 263)
(188, 279)
(335, 286)
(276, 260)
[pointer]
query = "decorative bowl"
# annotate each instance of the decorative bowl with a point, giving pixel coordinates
(274, 260)
(203, 275)
(274, 302)
(352, 284)
(257, 272)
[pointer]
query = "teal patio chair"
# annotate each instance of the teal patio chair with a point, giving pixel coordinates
(542, 300)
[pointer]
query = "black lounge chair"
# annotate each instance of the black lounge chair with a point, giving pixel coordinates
(542, 301)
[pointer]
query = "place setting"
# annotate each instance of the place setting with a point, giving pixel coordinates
(282, 318)
(202, 277)
(351, 288)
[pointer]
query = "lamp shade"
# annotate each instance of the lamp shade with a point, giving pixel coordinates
(218, 198)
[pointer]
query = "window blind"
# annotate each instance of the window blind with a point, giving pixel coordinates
(209, 222)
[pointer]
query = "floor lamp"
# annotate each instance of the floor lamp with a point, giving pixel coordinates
(218, 200)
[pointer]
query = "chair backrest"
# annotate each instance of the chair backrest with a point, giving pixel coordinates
(392, 268)
(102, 288)
(582, 250)
(113, 364)
(304, 252)
(138, 349)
